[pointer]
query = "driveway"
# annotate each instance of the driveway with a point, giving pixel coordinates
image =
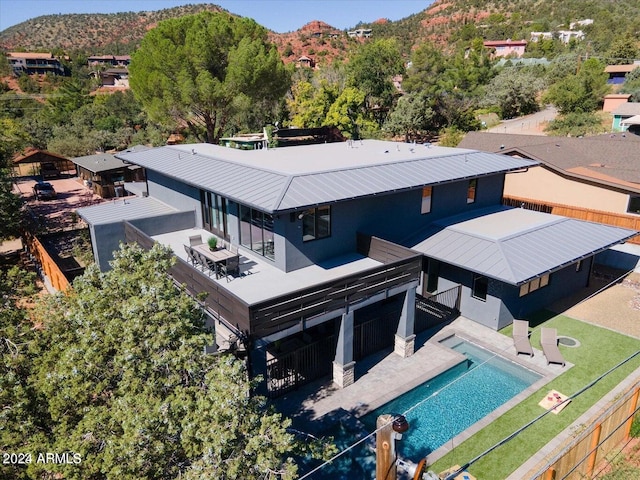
(533, 124)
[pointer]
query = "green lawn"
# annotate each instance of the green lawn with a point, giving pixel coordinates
(600, 350)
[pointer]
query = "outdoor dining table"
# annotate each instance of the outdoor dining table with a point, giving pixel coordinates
(217, 256)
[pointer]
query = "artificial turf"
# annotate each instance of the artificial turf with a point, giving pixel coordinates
(600, 350)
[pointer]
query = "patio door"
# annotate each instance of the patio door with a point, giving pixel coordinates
(214, 213)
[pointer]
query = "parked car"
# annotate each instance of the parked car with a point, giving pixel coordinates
(44, 190)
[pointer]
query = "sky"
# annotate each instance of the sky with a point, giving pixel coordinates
(281, 16)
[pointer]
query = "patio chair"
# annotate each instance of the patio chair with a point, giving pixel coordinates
(195, 240)
(190, 255)
(521, 337)
(549, 342)
(207, 264)
(230, 266)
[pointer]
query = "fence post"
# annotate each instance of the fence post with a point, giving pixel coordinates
(385, 449)
(632, 408)
(595, 439)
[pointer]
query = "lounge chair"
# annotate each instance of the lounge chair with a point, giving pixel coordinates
(549, 342)
(521, 337)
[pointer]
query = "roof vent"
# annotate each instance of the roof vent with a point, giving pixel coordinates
(193, 151)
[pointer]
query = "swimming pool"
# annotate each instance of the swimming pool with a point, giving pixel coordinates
(447, 405)
(455, 399)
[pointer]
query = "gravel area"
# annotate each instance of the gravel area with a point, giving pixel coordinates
(612, 305)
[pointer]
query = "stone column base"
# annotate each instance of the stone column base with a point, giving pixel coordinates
(405, 347)
(344, 375)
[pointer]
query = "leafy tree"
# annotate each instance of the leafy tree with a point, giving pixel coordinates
(11, 139)
(348, 114)
(623, 50)
(576, 124)
(581, 93)
(515, 91)
(427, 65)
(411, 117)
(309, 105)
(371, 70)
(632, 85)
(21, 415)
(205, 69)
(119, 370)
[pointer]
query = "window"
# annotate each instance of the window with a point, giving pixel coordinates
(316, 223)
(471, 190)
(534, 285)
(214, 213)
(426, 200)
(634, 205)
(256, 231)
(480, 287)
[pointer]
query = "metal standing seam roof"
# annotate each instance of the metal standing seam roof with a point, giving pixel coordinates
(290, 178)
(100, 162)
(517, 245)
(126, 208)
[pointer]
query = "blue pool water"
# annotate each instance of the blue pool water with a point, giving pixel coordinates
(455, 400)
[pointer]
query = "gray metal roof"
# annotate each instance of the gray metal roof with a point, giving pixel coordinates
(516, 245)
(100, 162)
(296, 177)
(126, 208)
(627, 108)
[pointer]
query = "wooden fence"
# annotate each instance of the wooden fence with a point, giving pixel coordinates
(609, 431)
(49, 266)
(608, 218)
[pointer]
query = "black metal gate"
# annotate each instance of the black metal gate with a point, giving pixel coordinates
(374, 335)
(437, 309)
(290, 370)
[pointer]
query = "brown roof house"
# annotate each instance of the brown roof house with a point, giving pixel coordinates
(593, 178)
(33, 161)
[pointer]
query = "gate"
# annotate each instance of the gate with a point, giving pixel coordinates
(374, 335)
(290, 370)
(437, 309)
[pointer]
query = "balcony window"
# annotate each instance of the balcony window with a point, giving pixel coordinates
(316, 223)
(534, 285)
(256, 231)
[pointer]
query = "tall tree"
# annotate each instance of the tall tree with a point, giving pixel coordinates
(205, 70)
(119, 367)
(11, 139)
(515, 91)
(581, 93)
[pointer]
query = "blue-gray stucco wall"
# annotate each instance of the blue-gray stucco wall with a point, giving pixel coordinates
(503, 302)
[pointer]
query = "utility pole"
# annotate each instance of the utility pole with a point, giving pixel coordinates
(390, 428)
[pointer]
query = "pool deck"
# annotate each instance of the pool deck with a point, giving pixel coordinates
(380, 378)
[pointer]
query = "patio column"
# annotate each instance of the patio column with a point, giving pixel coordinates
(343, 365)
(405, 338)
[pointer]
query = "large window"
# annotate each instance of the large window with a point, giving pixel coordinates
(634, 205)
(425, 207)
(480, 287)
(256, 231)
(214, 213)
(316, 223)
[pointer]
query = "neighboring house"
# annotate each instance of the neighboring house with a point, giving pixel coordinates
(31, 162)
(112, 60)
(625, 116)
(360, 33)
(35, 63)
(106, 174)
(565, 36)
(617, 73)
(596, 178)
(505, 48)
(114, 77)
(305, 61)
(613, 101)
(348, 248)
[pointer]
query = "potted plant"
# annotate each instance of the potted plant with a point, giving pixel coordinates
(213, 243)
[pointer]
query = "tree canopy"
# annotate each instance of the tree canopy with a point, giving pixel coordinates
(119, 378)
(205, 71)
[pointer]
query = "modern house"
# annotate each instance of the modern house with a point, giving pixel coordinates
(505, 48)
(348, 248)
(107, 174)
(35, 63)
(595, 178)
